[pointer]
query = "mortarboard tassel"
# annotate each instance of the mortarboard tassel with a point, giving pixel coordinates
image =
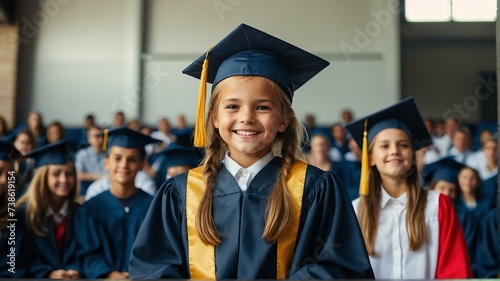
(105, 139)
(200, 130)
(365, 168)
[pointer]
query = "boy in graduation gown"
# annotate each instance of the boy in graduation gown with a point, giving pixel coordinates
(106, 225)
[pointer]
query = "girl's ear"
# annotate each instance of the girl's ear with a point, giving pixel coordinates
(215, 120)
(284, 124)
(370, 160)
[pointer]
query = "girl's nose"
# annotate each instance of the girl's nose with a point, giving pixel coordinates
(247, 115)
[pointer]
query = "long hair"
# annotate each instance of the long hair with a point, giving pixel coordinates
(287, 145)
(478, 193)
(37, 199)
(369, 209)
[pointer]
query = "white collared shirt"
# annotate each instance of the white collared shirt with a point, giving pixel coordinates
(245, 175)
(459, 156)
(393, 259)
(479, 162)
(63, 212)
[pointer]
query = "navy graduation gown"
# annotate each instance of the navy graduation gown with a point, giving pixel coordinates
(483, 206)
(329, 241)
(471, 228)
(40, 254)
(105, 232)
(488, 248)
(350, 173)
(489, 189)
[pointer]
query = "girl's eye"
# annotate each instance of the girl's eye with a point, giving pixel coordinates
(231, 106)
(262, 107)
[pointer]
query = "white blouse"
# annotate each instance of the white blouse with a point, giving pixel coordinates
(393, 259)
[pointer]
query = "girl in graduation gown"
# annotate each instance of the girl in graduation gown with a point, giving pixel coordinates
(470, 193)
(442, 176)
(247, 213)
(8, 155)
(45, 214)
(409, 232)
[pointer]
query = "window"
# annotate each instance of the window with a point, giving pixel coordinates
(450, 10)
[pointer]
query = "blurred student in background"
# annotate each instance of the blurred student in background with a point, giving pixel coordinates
(46, 212)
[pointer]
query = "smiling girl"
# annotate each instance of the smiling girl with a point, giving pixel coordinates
(253, 210)
(46, 213)
(409, 232)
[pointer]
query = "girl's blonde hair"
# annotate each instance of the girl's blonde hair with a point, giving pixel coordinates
(287, 145)
(369, 209)
(37, 199)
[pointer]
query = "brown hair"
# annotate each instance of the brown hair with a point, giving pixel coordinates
(478, 193)
(369, 209)
(287, 145)
(37, 199)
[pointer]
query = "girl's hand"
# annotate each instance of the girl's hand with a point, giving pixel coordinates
(118, 275)
(73, 274)
(58, 274)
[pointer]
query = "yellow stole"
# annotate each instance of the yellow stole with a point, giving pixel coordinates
(202, 256)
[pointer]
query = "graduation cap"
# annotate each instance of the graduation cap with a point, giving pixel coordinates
(403, 115)
(126, 138)
(445, 169)
(180, 155)
(247, 51)
(56, 153)
(8, 152)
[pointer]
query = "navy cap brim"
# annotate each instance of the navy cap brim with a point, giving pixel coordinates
(8, 152)
(405, 112)
(128, 138)
(180, 155)
(301, 65)
(57, 153)
(445, 169)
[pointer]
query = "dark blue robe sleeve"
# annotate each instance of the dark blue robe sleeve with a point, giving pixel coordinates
(488, 264)
(329, 244)
(471, 228)
(89, 246)
(40, 253)
(166, 257)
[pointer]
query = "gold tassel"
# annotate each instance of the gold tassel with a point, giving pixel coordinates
(105, 139)
(200, 129)
(365, 167)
